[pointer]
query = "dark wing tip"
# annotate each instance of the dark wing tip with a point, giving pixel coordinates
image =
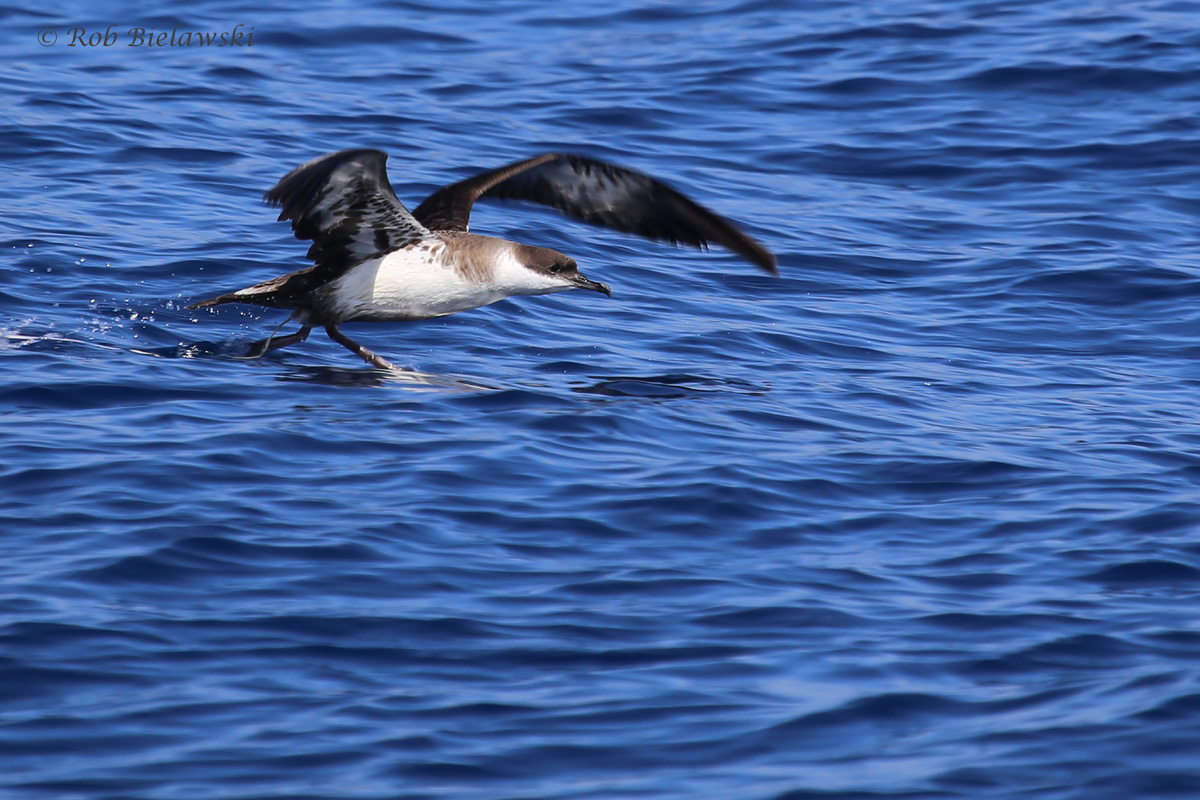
(756, 254)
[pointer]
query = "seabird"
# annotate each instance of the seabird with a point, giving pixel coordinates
(375, 261)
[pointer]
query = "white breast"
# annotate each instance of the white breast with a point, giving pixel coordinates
(413, 283)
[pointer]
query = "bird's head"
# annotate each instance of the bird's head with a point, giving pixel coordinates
(550, 271)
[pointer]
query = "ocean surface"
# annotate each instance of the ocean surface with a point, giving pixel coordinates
(918, 519)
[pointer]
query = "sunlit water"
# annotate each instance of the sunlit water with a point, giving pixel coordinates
(918, 519)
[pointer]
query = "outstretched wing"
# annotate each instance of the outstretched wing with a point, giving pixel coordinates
(345, 205)
(596, 192)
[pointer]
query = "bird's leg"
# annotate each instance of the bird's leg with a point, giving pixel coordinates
(264, 346)
(355, 347)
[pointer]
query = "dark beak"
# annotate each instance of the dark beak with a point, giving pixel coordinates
(583, 283)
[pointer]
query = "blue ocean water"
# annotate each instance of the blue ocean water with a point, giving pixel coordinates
(919, 519)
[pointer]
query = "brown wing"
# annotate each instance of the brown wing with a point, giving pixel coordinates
(345, 205)
(596, 192)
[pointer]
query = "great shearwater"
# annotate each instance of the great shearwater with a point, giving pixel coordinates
(375, 261)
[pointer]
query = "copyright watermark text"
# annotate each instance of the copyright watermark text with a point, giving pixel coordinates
(239, 36)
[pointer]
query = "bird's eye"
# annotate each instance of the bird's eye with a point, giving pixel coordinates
(556, 268)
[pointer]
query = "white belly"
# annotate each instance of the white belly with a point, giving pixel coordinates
(406, 284)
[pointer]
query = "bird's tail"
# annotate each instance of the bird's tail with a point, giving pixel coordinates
(282, 292)
(261, 298)
(232, 297)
